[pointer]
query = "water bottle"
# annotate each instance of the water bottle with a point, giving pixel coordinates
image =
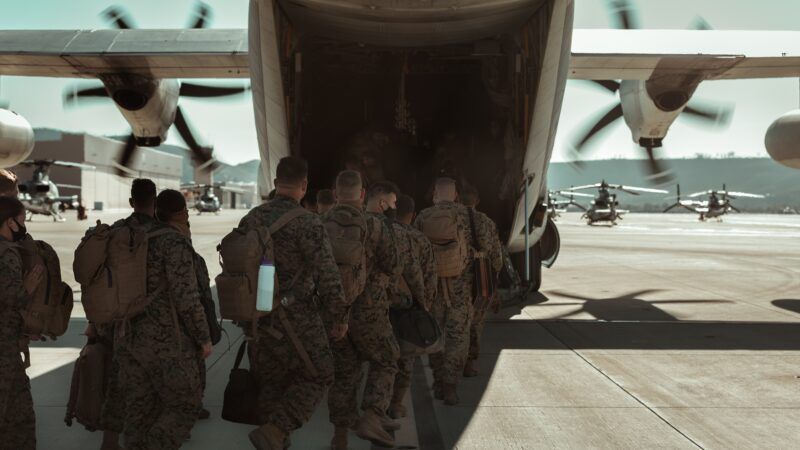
(266, 286)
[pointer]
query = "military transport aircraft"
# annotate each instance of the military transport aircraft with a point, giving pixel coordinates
(605, 207)
(40, 194)
(717, 205)
(476, 84)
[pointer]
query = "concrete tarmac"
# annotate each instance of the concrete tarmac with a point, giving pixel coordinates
(661, 332)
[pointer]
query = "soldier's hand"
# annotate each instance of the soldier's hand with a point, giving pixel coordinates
(33, 278)
(338, 331)
(90, 331)
(207, 348)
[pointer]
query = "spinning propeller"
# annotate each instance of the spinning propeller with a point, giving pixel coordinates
(202, 155)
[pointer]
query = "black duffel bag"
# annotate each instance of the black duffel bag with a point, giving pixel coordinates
(416, 330)
(240, 403)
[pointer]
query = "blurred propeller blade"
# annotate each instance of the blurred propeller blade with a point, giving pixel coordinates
(118, 17)
(127, 156)
(658, 173)
(623, 14)
(718, 115)
(606, 120)
(610, 85)
(201, 155)
(202, 16)
(699, 23)
(74, 95)
(205, 91)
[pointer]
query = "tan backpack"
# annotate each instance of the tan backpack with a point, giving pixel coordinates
(89, 382)
(347, 232)
(450, 246)
(49, 307)
(241, 252)
(111, 266)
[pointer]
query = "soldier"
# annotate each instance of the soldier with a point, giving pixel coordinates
(171, 209)
(325, 201)
(17, 418)
(419, 253)
(446, 224)
(371, 338)
(8, 184)
(294, 365)
(485, 232)
(156, 351)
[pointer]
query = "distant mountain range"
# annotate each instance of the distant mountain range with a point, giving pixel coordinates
(756, 175)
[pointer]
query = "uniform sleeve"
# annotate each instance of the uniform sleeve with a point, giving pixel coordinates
(412, 269)
(490, 241)
(386, 263)
(428, 266)
(182, 285)
(317, 253)
(14, 297)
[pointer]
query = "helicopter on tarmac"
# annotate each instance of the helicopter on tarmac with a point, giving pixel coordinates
(605, 207)
(40, 194)
(206, 201)
(556, 207)
(717, 205)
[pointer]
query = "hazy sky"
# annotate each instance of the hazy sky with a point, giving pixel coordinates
(228, 124)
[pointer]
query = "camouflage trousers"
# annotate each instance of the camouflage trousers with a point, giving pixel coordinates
(480, 307)
(402, 381)
(369, 339)
(17, 419)
(113, 414)
(161, 397)
(453, 310)
(290, 390)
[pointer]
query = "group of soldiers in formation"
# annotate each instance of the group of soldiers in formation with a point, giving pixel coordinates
(331, 322)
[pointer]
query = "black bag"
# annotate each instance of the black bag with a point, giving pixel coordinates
(240, 403)
(483, 286)
(416, 331)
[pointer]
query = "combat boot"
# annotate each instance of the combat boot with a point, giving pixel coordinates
(396, 409)
(267, 437)
(203, 414)
(470, 370)
(390, 424)
(371, 429)
(449, 394)
(339, 441)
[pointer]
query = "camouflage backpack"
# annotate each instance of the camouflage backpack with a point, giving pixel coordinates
(347, 231)
(50, 305)
(241, 252)
(111, 266)
(450, 246)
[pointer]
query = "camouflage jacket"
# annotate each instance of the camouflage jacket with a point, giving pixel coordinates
(13, 298)
(382, 260)
(423, 254)
(488, 239)
(302, 246)
(174, 324)
(412, 267)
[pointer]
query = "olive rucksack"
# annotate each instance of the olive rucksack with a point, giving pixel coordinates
(450, 246)
(347, 232)
(111, 266)
(241, 252)
(50, 305)
(88, 387)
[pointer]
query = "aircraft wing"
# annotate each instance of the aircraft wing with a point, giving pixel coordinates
(191, 53)
(707, 54)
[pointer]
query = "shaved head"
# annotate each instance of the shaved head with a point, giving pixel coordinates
(445, 190)
(349, 186)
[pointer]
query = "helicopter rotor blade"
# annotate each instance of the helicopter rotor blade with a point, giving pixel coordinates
(745, 194)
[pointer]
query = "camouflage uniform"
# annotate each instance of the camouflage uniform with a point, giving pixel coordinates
(452, 309)
(156, 351)
(204, 288)
(419, 253)
(489, 242)
(17, 419)
(370, 337)
(290, 390)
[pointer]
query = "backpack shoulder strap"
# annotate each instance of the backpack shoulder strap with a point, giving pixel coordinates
(286, 218)
(475, 242)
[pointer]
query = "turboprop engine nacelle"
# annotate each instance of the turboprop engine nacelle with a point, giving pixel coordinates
(148, 105)
(783, 139)
(16, 138)
(649, 109)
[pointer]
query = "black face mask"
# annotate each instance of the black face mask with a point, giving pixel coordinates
(390, 213)
(20, 234)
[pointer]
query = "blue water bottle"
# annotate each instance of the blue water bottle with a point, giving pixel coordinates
(266, 286)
